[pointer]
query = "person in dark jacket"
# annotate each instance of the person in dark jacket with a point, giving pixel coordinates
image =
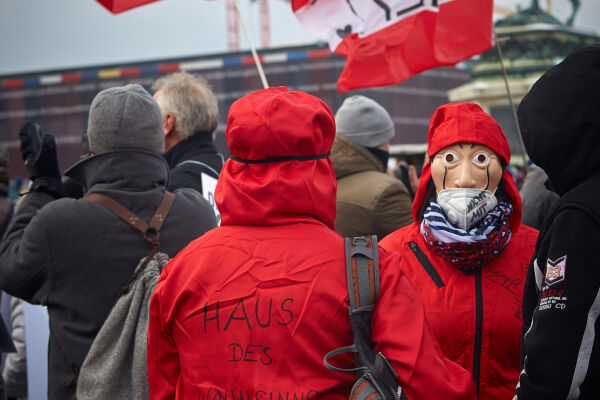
(369, 201)
(190, 117)
(560, 124)
(75, 255)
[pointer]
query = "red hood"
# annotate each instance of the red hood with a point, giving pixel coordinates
(467, 123)
(271, 123)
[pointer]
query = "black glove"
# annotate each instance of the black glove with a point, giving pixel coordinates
(39, 154)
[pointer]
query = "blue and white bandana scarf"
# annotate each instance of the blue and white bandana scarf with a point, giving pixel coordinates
(472, 249)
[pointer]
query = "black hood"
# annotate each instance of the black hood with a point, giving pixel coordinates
(560, 119)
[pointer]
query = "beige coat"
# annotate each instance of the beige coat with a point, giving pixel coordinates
(369, 202)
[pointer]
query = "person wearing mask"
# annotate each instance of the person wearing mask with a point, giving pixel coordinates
(251, 308)
(190, 117)
(560, 124)
(74, 255)
(369, 201)
(467, 252)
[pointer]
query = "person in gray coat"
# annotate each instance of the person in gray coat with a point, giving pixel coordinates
(74, 256)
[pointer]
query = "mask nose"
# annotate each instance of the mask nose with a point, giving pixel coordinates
(465, 178)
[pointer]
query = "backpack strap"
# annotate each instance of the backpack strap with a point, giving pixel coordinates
(377, 379)
(362, 270)
(150, 231)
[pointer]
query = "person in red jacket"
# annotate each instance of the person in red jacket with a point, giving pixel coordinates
(467, 253)
(249, 310)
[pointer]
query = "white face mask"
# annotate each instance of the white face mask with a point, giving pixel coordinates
(466, 207)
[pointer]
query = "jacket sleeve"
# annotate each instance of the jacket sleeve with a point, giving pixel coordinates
(394, 209)
(401, 333)
(560, 339)
(163, 357)
(25, 254)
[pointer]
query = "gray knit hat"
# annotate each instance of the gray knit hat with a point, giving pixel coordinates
(364, 121)
(125, 118)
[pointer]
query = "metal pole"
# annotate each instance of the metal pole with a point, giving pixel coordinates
(261, 73)
(510, 100)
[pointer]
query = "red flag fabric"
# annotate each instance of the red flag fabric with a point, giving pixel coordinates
(388, 41)
(118, 6)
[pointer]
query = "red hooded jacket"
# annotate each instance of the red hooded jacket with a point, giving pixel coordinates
(249, 310)
(476, 318)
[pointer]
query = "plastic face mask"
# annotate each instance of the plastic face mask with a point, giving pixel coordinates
(466, 165)
(466, 207)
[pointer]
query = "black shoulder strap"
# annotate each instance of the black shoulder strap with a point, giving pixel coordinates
(377, 379)
(362, 274)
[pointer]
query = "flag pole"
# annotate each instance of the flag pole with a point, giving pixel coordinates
(510, 101)
(261, 73)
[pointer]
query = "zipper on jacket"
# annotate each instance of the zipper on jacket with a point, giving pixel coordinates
(426, 264)
(478, 328)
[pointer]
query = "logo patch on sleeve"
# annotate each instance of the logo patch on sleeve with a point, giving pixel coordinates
(555, 270)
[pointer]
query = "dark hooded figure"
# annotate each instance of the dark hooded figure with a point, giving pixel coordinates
(560, 124)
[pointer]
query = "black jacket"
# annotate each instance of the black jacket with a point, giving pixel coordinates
(74, 255)
(560, 123)
(191, 157)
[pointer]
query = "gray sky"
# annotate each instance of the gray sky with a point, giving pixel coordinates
(41, 35)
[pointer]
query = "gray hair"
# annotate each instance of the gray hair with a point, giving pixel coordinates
(192, 102)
